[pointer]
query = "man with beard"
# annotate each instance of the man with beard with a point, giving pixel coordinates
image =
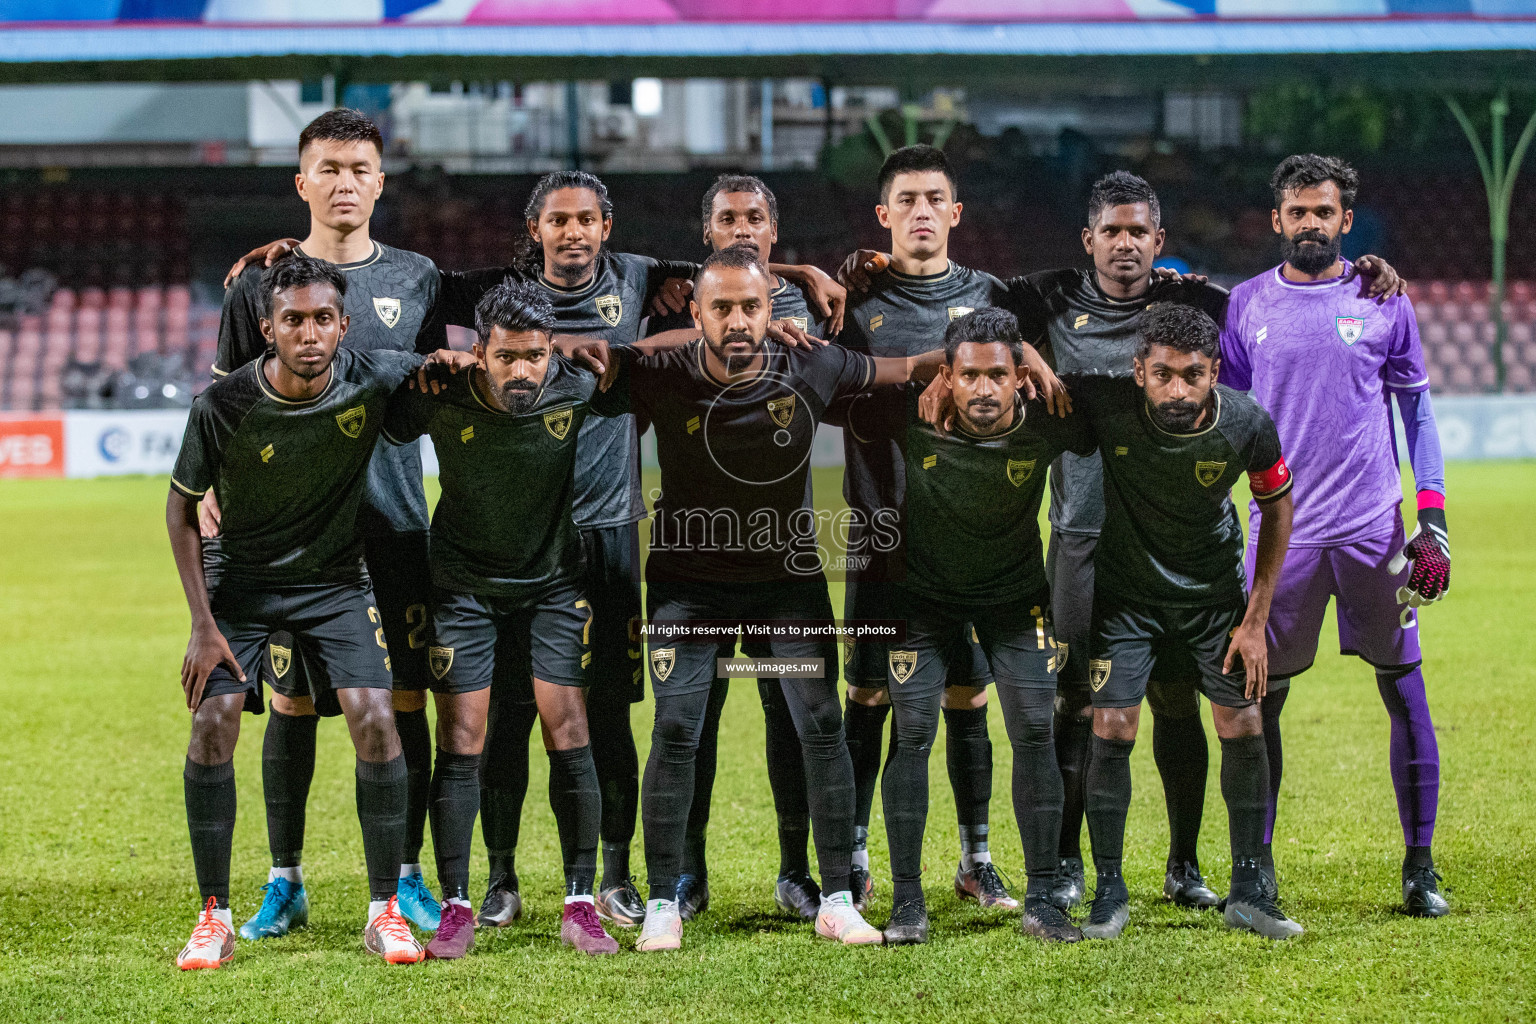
(507, 587)
(733, 540)
(1324, 363)
(287, 442)
(740, 210)
(1169, 586)
(974, 561)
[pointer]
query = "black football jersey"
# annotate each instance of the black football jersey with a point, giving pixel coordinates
(611, 306)
(389, 301)
(735, 458)
(972, 523)
(290, 476)
(1171, 534)
(503, 525)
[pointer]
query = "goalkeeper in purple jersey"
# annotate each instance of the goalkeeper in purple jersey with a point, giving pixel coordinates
(1326, 364)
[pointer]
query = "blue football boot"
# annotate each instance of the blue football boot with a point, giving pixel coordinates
(417, 904)
(285, 906)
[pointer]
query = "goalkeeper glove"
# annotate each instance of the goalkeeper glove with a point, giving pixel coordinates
(1429, 553)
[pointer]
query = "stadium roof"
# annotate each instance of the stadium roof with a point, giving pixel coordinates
(1137, 43)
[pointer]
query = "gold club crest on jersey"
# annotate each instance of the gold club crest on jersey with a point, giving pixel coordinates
(388, 310)
(662, 662)
(1207, 473)
(1020, 470)
(782, 409)
(558, 423)
(903, 664)
(281, 658)
(351, 422)
(1098, 673)
(439, 660)
(610, 308)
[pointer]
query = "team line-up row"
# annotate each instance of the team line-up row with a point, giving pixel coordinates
(1136, 397)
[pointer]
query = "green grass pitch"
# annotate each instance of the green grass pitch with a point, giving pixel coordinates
(97, 892)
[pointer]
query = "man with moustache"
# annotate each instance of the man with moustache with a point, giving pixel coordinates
(1325, 363)
(1169, 586)
(974, 561)
(740, 210)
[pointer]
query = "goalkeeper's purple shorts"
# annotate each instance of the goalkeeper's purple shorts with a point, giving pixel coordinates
(1373, 624)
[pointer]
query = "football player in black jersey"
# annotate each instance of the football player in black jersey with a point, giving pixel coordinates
(974, 560)
(389, 300)
(741, 210)
(1170, 588)
(287, 443)
(506, 570)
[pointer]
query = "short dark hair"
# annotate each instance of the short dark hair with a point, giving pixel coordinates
(736, 257)
(556, 180)
(1303, 170)
(341, 125)
(514, 306)
(1179, 326)
(910, 159)
(739, 183)
(298, 270)
(986, 326)
(1122, 188)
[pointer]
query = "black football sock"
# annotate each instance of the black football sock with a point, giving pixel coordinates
(968, 754)
(704, 767)
(618, 777)
(1074, 748)
(786, 777)
(1244, 787)
(666, 788)
(828, 776)
(455, 802)
(1182, 756)
(1027, 712)
(287, 768)
(210, 794)
(864, 727)
(577, 802)
(381, 792)
(904, 792)
(416, 747)
(1107, 799)
(1270, 707)
(504, 782)
(1417, 857)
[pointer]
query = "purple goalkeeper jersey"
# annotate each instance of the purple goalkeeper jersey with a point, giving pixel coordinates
(1322, 360)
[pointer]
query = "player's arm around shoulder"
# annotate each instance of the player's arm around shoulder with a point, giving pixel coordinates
(240, 337)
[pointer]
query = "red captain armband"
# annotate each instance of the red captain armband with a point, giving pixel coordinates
(1431, 499)
(1271, 483)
